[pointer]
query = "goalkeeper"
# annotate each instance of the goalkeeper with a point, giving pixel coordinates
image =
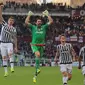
(38, 38)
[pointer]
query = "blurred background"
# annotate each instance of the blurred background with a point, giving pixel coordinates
(68, 16)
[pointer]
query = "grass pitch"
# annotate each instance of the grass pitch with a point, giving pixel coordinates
(48, 76)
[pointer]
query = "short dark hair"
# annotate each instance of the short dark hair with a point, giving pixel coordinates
(39, 18)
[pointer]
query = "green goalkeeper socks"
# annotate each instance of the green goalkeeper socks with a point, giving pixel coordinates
(37, 60)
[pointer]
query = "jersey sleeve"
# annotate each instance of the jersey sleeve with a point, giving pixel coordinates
(30, 25)
(46, 25)
(4, 23)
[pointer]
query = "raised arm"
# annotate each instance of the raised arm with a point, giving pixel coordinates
(50, 19)
(46, 13)
(27, 20)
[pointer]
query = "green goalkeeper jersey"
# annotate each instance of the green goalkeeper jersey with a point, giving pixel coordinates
(38, 34)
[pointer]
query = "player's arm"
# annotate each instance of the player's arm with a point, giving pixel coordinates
(1, 6)
(50, 20)
(79, 62)
(56, 56)
(27, 20)
(73, 53)
(80, 58)
(46, 13)
(15, 41)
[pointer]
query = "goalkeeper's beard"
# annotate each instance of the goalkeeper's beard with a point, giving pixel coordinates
(39, 25)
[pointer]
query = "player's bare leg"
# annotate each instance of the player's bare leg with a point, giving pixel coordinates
(37, 60)
(65, 78)
(69, 76)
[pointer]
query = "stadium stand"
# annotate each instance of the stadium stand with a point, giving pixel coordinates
(25, 7)
(22, 1)
(72, 26)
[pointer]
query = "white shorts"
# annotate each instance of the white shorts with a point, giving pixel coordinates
(66, 68)
(6, 49)
(83, 70)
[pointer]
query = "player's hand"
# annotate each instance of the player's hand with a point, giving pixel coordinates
(79, 67)
(30, 13)
(45, 13)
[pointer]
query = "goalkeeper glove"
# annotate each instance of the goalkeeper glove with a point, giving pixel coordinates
(45, 13)
(30, 13)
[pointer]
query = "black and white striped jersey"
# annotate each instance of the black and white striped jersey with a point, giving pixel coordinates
(64, 53)
(82, 54)
(7, 33)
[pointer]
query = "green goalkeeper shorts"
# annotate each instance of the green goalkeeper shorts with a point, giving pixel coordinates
(38, 48)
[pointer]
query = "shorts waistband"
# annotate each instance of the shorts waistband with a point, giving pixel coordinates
(66, 63)
(83, 65)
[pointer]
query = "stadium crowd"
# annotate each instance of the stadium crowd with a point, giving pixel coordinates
(71, 26)
(18, 7)
(67, 25)
(35, 7)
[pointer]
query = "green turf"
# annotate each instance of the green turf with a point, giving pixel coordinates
(48, 76)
